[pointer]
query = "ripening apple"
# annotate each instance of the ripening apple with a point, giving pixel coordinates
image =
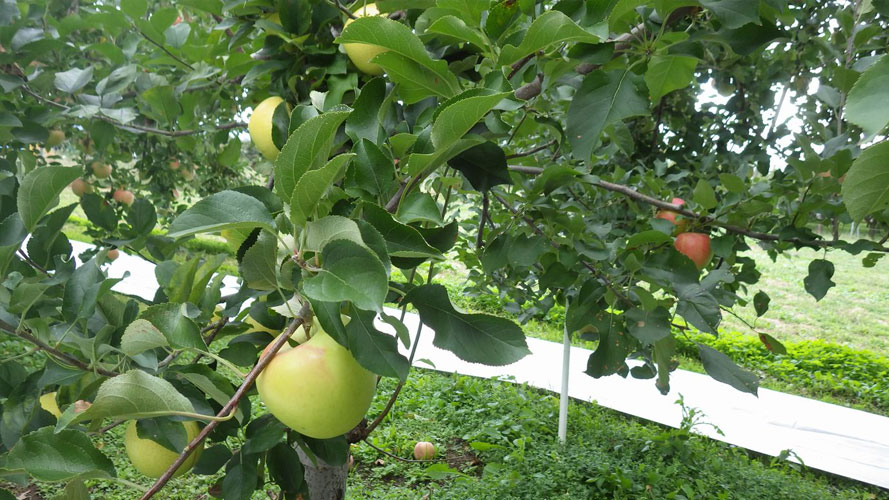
(424, 450)
(55, 138)
(695, 246)
(101, 170)
(153, 459)
(174, 164)
(260, 127)
(48, 403)
(187, 174)
(80, 187)
(124, 196)
(113, 254)
(317, 388)
(681, 224)
(362, 53)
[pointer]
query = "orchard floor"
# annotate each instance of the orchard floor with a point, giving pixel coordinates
(841, 441)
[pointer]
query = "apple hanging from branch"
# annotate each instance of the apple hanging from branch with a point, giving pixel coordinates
(681, 224)
(260, 127)
(695, 246)
(152, 459)
(362, 53)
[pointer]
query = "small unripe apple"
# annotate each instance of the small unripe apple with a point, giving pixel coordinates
(260, 127)
(362, 53)
(153, 459)
(48, 403)
(725, 88)
(101, 170)
(55, 138)
(174, 164)
(187, 174)
(80, 187)
(424, 450)
(113, 254)
(695, 246)
(124, 196)
(317, 388)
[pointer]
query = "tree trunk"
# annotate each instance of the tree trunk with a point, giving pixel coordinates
(326, 482)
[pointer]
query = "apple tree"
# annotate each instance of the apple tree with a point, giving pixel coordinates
(344, 152)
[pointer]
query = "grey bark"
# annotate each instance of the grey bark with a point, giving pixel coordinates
(326, 482)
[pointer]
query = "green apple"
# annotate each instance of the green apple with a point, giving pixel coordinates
(725, 88)
(153, 459)
(48, 403)
(260, 127)
(101, 170)
(362, 53)
(317, 388)
(55, 138)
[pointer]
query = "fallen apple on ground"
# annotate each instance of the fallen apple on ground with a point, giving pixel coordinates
(424, 450)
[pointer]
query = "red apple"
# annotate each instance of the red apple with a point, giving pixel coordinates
(124, 196)
(695, 246)
(424, 450)
(81, 187)
(101, 170)
(681, 224)
(174, 164)
(113, 254)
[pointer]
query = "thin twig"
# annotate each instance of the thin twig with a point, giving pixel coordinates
(516, 66)
(338, 5)
(55, 352)
(161, 46)
(532, 151)
(232, 403)
(635, 195)
(480, 239)
(31, 262)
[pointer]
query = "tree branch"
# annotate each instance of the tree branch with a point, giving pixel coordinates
(232, 403)
(67, 358)
(161, 46)
(635, 195)
(532, 151)
(516, 66)
(132, 127)
(338, 5)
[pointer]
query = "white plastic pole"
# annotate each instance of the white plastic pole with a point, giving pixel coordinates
(563, 398)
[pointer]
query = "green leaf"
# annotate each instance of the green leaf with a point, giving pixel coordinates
(550, 28)
(456, 120)
(734, 13)
(704, 195)
(419, 207)
(603, 98)
(415, 81)
(350, 272)
(180, 331)
(223, 210)
(307, 148)
(732, 183)
(333, 227)
(285, 469)
(371, 171)
(484, 166)
(163, 103)
(667, 73)
(401, 240)
(648, 326)
(866, 189)
(82, 291)
(455, 27)
(259, 265)
(131, 395)
(698, 307)
(312, 187)
(477, 338)
(364, 122)
(772, 344)
(818, 281)
(40, 191)
(141, 336)
(49, 456)
(761, 302)
(373, 349)
(400, 40)
(723, 369)
(610, 355)
(73, 80)
(134, 8)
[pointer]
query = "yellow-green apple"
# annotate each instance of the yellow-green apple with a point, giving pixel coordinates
(260, 127)
(48, 403)
(362, 53)
(80, 187)
(670, 215)
(124, 196)
(725, 88)
(695, 246)
(101, 170)
(317, 388)
(153, 459)
(424, 450)
(55, 138)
